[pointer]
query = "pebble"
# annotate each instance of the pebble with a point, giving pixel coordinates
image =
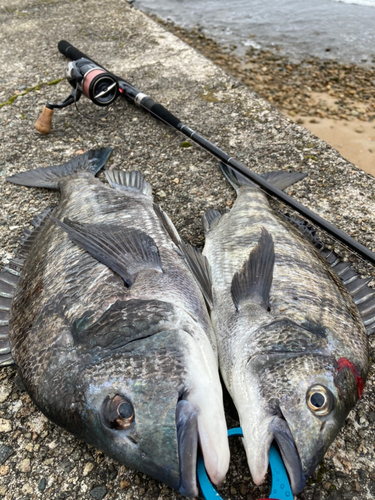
(88, 468)
(5, 390)
(99, 492)
(42, 484)
(27, 489)
(5, 425)
(5, 453)
(4, 469)
(124, 484)
(25, 465)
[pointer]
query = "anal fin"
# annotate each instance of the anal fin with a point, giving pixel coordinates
(255, 278)
(127, 251)
(128, 181)
(211, 217)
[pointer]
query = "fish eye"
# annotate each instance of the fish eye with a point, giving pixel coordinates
(118, 412)
(319, 400)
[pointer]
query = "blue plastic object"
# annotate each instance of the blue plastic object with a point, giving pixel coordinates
(280, 488)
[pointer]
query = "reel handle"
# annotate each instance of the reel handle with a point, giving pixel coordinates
(44, 122)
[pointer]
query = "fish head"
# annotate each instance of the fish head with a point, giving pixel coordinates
(151, 407)
(300, 401)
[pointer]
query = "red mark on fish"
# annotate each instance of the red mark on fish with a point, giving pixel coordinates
(345, 363)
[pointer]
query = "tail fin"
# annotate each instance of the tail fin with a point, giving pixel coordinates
(279, 179)
(49, 177)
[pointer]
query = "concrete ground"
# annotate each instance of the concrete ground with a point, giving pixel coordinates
(37, 459)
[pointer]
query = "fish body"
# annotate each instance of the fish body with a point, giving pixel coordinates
(293, 348)
(109, 329)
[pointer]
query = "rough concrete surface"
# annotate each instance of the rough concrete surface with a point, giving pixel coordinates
(37, 459)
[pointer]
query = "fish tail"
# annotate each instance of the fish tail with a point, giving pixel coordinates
(279, 179)
(50, 177)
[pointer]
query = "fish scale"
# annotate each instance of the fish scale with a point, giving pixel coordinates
(293, 349)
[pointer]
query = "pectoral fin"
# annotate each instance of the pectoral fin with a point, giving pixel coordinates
(127, 251)
(255, 278)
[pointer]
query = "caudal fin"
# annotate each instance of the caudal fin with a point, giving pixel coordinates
(49, 177)
(279, 179)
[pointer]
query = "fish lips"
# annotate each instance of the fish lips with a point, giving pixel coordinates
(281, 432)
(187, 438)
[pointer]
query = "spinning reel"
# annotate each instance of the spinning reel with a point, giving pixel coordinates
(87, 78)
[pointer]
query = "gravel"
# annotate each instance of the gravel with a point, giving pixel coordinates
(296, 88)
(38, 459)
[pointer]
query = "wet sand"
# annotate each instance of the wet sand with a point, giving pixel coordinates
(335, 101)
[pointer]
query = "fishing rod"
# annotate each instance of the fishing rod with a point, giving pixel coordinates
(102, 87)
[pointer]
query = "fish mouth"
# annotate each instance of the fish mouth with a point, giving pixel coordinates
(190, 436)
(281, 432)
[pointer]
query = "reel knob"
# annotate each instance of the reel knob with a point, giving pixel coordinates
(44, 122)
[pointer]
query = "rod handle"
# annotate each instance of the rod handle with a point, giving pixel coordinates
(44, 122)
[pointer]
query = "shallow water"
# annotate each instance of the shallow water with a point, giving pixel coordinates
(331, 29)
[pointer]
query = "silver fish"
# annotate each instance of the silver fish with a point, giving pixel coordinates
(109, 329)
(293, 349)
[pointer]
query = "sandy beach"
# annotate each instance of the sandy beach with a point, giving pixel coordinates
(335, 101)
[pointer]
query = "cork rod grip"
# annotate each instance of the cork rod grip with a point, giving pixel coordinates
(44, 122)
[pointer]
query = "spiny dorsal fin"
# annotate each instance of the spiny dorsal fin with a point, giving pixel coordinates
(200, 268)
(127, 251)
(8, 283)
(128, 181)
(49, 177)
(255, 278)
(279, 179)
(363, 296)
(9, 277)
(211, 217)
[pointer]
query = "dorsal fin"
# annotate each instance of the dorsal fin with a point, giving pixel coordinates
(133, 180)
(9, 277)
(200, 268)
(8, 283)
(211, 217)
(49, 177)
(255, 278)
(127, 251)
(363, 296)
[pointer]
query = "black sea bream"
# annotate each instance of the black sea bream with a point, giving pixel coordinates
(293, 348)
(109, 329)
